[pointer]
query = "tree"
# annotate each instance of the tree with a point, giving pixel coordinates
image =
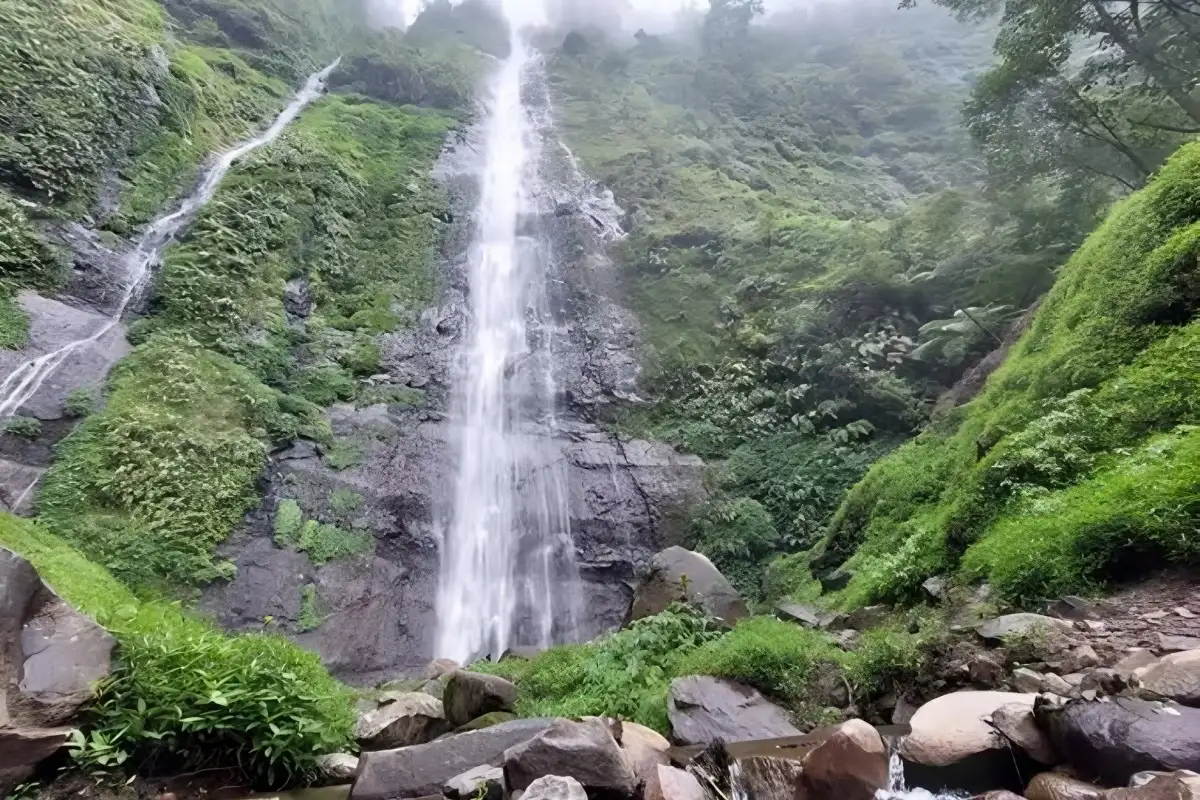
(728, 21)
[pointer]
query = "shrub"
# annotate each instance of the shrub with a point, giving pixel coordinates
(325, 543)
(79, 403)
(883, 656)
(344, 454)
(288, 519)
(183, 695)
(737, 535)
(25, 427)
(310, 617)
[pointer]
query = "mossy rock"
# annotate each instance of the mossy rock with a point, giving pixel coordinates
(486, 721)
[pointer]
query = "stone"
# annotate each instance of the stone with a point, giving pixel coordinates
(1186, 613)
(424, 769)
(1182, 785)
(851, 764)
(486, 721)
(1133, 661)
(865, 618)
(704, 710)
(1073, 608)
(472, 694)
(407, 718)
(679, 574)
(338, 767)
(24, 747)
(764, 778)
(806, 615)
(1083, 657)
(847, 639)
(554, 787)
(1022, 624)
(1015, 722)
(1027, 680)
(645, 749)
(1142, 778)
(934, 586)
(984, 670)
(1056, 786)
(998, 794)
(440, 667)
(585, 751)
(953, 744)
(1102, 680)
(836, 580)
(1113, 740)
(675, 784)
(1056, 684)
(1173, 677)
(904, 711)
(467, 785)
(1175, 644)
(434, 688)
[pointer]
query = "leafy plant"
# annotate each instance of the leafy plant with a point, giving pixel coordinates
(325, 543)
(25, 427)
(310, 617)
(288, 520)
(79, 403)
(344, 454)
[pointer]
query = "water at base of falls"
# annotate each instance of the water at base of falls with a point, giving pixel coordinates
(508, 573)
(23, 382)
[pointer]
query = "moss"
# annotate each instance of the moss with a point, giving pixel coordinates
(14, 322)
(311, 617)
(25, 427)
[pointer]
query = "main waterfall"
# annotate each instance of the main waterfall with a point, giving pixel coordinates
(508, 574)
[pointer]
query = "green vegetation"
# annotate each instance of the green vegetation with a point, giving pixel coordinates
(1077, 464)
(184, 695)
(321, 541)
(79, 403)
(25, 427)
(311, 616)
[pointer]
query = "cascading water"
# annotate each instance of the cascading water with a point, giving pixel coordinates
(508, 573)
(24, 381)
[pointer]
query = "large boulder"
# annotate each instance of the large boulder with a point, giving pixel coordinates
(1114, 740)
(585, 751)
(482, 783)
(1056, 786)
(1023, 624)
(954, 746)
(645, 749)
(674, 784)
(423, 770)
(1015, 723)
(704, 710)
(680, 574)
(1173, 677)
(407, 718)
(553, 787)
(852, 764)
(1180, 785)
(472, 694)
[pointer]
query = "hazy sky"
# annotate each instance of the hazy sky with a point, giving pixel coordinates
(651, 8)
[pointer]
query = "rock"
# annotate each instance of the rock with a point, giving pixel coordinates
(1102, 681)
(998, 794)
(680, 574)
(440, 667)
(407, 718)
(704, 710)
(645, 749)
(1175, 644)
(467, 785)
(904, 711)
(808, 616)
(1182, 785)
(1073, 608)
(423, 770)
(1142, 778)
(1056, 786)
(675, 784)
(954, 745)
(585, 751)
(765, 778)
(1173, 677)
(472, 694)
(827, 686)
(338, 767)
(1113, 740)
(1022, 624)
(847, 639)
(1015, 722)
(836, 580)
(553, 787)
(865, 618)
(984, 670)
(1186, 613)
(1083, 657)
(852, 764)
(434, 688)
(1056, 684)
(297, 300)
(1133, 661)
(23, 747)
(934, 586)
(487, 721)
(1026, 680)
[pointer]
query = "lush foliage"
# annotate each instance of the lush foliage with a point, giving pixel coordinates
(183, 695)
(1077, 463)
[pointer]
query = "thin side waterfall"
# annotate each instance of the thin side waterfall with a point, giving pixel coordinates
(508, 573)
(27, 378)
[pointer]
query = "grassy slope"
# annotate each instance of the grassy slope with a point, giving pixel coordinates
(1080, 461)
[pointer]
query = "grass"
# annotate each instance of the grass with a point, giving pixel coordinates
(183, 694)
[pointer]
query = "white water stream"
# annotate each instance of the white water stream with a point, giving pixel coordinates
(27, 378)
(508, 573)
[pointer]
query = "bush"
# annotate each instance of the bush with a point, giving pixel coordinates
(288, 519)
(79, 403)
(183, 695)
(25, 427)
(311, 616)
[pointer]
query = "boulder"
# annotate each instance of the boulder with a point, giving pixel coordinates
(1134, 660)
(1103, 681)
(424, 769)
(472, 694)
(1026, 680)
(1142, 778)
(1082, 657)
(1056, 786)
(704, 710)
(486, 721)
(1015, 723)
(953, 744)
(439, 667)
(553, 787)
(1022, 624)
(985, 670)
(645, 749)
(806, 615)
(1174, 644)
(865, 618)
(852, 764)
(765, 778)
(1073, 608)
(585, 751)
(1113, 740)
(338, 767)
(1182, 785)
(998, 794)
(481, 783)
(934, 586)
(679, 574)
(407, 718)
(23, 747)
(1173, 677)
(674, 784)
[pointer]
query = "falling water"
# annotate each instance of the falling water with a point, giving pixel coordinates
(508, 574)
(24, 381)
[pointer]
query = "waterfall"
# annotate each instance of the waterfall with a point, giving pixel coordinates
(508, 574)
(24, 381)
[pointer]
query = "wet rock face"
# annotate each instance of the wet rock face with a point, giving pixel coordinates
(704, 710)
